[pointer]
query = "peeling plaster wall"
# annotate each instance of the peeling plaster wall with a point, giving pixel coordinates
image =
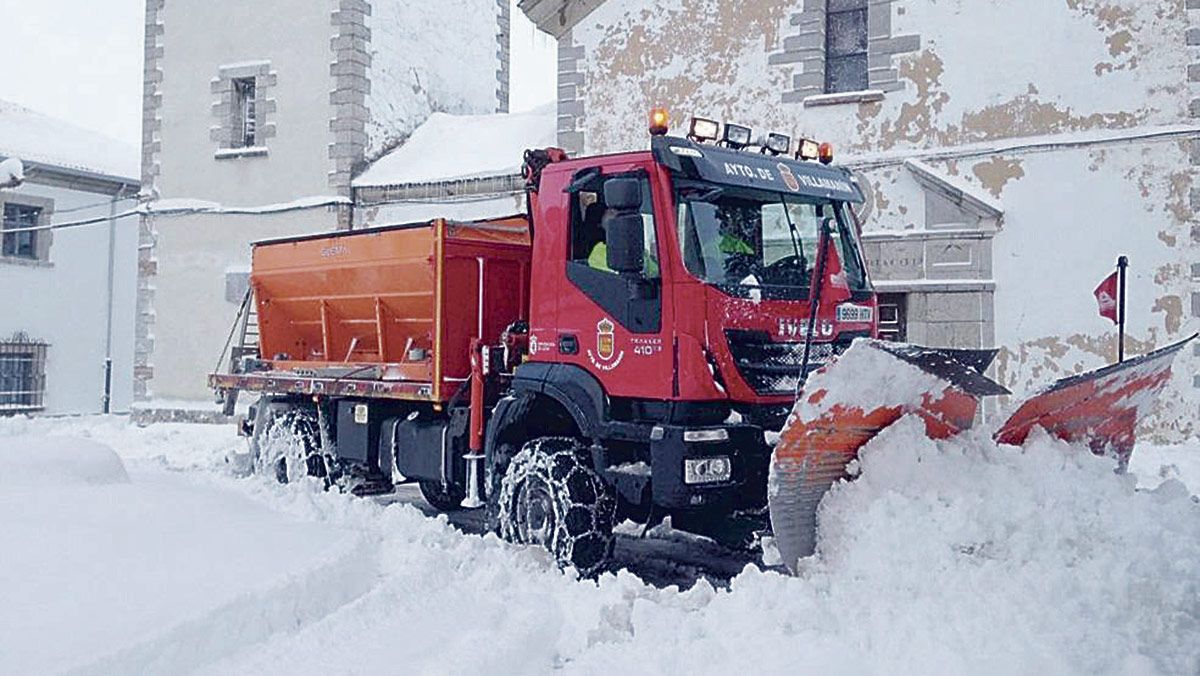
(1011, 72)
(1131, 204)
(985, 70)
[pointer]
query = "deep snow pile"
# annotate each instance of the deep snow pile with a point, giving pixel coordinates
(47, 461)
(149, 571)
(949, 557)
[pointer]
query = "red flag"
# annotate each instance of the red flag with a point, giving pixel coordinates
(1106, 296)
(834, 288)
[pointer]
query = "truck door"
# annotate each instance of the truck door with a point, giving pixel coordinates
(619, 319)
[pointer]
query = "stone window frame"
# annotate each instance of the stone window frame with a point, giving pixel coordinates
(16, 348)
(805, 51)
(224, 87)
(44, 239)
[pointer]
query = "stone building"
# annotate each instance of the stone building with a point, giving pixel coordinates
(67, 266)
(1012, 150)
(257, 118)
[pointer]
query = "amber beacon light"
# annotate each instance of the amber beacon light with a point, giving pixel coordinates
(659, 121)
(826, 153)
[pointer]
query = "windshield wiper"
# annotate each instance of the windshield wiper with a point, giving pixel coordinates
(795, 234)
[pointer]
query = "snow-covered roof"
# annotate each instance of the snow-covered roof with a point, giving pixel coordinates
(37, 137)
(451, 147)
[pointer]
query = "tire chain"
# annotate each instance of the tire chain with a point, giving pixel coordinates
(584, 508)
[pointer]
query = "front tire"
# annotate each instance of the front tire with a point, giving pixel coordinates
(549, 496)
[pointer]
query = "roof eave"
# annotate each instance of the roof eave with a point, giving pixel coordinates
(556, 17)
(77, 179)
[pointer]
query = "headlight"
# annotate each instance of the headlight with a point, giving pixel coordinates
(707, 470)
(692, 436)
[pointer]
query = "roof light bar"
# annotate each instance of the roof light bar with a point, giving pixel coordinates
(704, 130)
(778, 144)
(737, 136)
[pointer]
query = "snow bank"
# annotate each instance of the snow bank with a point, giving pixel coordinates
(954, 557)
(36, 461)
(942, 557)
(160, 574)
(448, 147)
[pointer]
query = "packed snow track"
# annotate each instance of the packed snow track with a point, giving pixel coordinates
(941, 557)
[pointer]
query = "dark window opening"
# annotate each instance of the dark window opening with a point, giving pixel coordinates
(845, 46)
(245, 121)
(893, 316)
(23, 243)
(22, 375)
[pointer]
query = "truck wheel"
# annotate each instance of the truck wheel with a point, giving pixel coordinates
(287, 443)
(551, 497)
(441, 497)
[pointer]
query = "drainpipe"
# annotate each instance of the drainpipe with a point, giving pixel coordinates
(106, 399)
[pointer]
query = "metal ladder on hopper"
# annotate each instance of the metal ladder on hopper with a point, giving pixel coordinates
(243, 342)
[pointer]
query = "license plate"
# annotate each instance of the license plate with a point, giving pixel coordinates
(854, 313)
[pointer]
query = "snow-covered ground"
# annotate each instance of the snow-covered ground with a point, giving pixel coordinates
(950, 557)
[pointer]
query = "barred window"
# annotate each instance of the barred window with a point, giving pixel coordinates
(245, 118)
(845, 46)
(22, 374)
(22, 243)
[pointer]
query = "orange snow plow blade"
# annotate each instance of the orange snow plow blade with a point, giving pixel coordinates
(873, 384)
(1100, 408)
(845, 404)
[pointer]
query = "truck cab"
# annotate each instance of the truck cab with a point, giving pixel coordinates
(679, 363)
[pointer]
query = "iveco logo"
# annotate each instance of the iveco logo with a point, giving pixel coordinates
(789, 327)
(793, 328)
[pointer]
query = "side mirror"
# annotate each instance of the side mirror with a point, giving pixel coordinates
(624, 236)
(623, 194)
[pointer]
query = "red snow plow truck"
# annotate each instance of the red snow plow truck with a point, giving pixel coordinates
(632, 347)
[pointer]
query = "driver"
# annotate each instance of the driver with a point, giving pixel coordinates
(598, 257)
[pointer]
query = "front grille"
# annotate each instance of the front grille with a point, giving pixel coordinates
(773, 368)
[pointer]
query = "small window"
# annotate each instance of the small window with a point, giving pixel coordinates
(893, 320)
(19, 242)
(22, 375)
(845, 46)
(245, 118)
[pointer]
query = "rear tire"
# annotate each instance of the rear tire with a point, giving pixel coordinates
(287, 438)
(441, 497)
(551, 497)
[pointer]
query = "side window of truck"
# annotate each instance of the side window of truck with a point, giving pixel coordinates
(634, 303)
(587, 227)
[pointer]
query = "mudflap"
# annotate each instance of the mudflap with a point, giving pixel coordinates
(846, 404)
(1100, 409)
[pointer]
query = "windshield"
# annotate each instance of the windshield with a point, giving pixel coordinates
(755, 243)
